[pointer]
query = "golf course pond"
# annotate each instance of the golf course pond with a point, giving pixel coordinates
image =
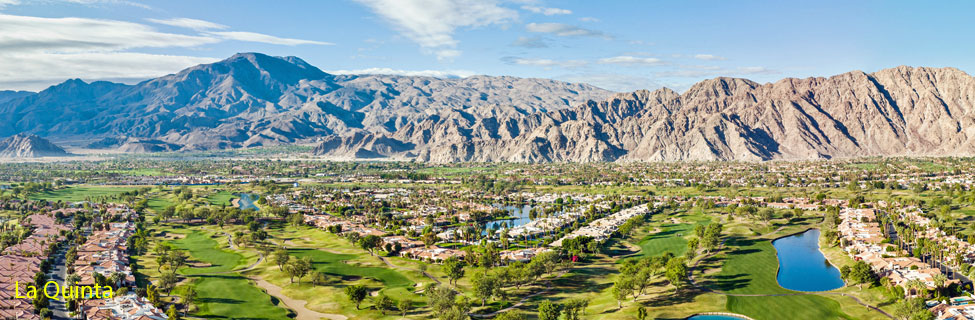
(247, 201)
(802, 267)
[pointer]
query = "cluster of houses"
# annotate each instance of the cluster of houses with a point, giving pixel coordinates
(19, 263)
(125, 307)
(863, 238)
(602, 228)
(104, 252)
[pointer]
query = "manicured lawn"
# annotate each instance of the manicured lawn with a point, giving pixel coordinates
(231, 296)
(80, 193)
(334, 264)
(221, 197)
(205, 249)
(750, 268)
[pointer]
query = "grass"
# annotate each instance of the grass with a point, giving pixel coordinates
(334, 264)
(221, 197)
(228, 295)
(231, 296)
(80, 193)
(205, 249)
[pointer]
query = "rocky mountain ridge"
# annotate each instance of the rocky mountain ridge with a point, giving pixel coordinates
(29, 146)
(257, 100)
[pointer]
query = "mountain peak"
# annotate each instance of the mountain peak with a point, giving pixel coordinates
(23, 145)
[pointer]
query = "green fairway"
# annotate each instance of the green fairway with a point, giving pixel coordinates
(81, 193)
(231, 296)
(157, 204)
(205, 249)
(334, 264)
(750, 268)
(221, 197)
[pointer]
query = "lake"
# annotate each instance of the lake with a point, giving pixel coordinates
(520, 214)
(802, 267)
(247, 201)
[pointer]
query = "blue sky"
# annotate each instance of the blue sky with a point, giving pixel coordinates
(618, 45)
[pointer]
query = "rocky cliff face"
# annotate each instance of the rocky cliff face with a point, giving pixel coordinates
(29, 146)
(902, 111)
(253, 100)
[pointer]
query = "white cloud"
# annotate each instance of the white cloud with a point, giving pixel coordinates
(708, 57)
(544, 62)
(190, 23)
(4, 3)
(432, 23)
(38, 52)
(398, 72)
(563, 30)
(35, 34)
(631, 60)
(35, 71)
(263, 38)
(588, 19)
(547, 11)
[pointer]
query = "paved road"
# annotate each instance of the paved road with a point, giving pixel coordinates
(59, 273)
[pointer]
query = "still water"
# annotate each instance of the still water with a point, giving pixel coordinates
(802, 267)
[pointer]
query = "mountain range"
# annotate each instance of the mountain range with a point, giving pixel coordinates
(253, 100)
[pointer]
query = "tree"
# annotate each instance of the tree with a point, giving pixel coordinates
(189, 296)
(622, 288)
(676, 272)
(281, 257)
(404, 306)
(172, 313)
(912, 309)
(574, 307)
(384, 303)
(356, 294)
(370, 243)
(484, 285)
(442, 301)
(454, 268)
(765, 215)
(859, 274)
(318, 278)
(641, 313)
(549, 311)
(298, 268)
(167, 281)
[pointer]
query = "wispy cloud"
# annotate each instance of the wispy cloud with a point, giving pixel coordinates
(263, 38)
(588, 19)
(546, 11)
(35, 71)
(398, 72)
(41, 51)
(713, 71)
(539, 62)
(530, 42)
(432, 23)
(708, 57)
(631, 60)
(564, 30)
(190, 23)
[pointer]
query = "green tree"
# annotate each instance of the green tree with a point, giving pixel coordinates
(453, 268)
(356, 294)
(404, 306)
(384, 303)
(484, 285)
(549, 311)
(676, 272)
(281, 257)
